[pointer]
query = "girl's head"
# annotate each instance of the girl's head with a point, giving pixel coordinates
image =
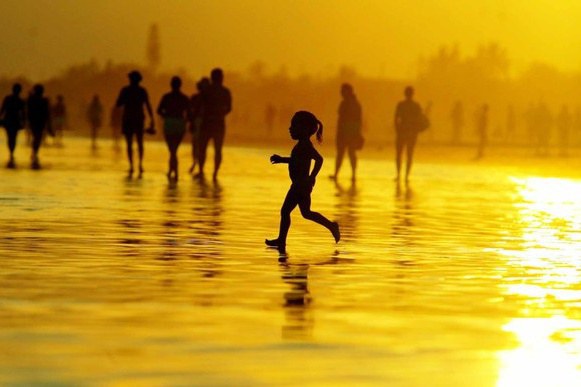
(304, 124)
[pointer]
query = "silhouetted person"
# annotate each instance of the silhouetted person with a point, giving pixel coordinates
(217, 104)
(510, 125)
(457, 118)
(481, 130)
(115, 121)
(13, 116)
(38, 109)
(303, 126)
(175, 109)
(564, 125)
(197, 106)
(269, 117)
(133, 99)
(544, 122)
(409, 122)
(348, 130)
(95, 118)
(59, 119)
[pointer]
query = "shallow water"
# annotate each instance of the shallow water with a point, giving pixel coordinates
(469, 276)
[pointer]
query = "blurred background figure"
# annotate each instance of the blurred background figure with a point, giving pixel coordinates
(115, 124)
(564, 124)
(197, 106)
(510, 134)
(482, 122)
(38, 109)
(457, 118)
(95, 119)
(175, 109)
(217, 105)
(59, 120)
(269, 118)
(409, 121)
(13, 118)
(543, 125)
(349, 135)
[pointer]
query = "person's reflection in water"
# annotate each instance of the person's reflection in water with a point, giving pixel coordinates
(171, 224)
(403, 218)
(206, 226)
(347, 210)
(299, 320)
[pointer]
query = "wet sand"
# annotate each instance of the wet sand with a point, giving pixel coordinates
(468, 276)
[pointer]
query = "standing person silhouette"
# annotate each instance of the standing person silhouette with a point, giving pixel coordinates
(95, 118)
(133, 98)
(175, 109)
(14, 117)
(38, 109)
(409, 121)
(196, 119)
(217, 102)
(303, 125)
(481, 130)
(59, 120)
(348, 130)
(457, 118)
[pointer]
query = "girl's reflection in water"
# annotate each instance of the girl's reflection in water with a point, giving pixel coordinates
(299, 316)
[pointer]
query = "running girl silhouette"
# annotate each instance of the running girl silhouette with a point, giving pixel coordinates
(303, 125)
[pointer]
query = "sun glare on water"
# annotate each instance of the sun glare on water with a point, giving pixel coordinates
(548, 287)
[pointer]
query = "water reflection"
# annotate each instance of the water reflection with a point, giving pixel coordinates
(403, 215)
(299, 320)
(547, 290)
(347, 210)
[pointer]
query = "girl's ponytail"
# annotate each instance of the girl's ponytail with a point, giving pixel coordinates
(319, 131)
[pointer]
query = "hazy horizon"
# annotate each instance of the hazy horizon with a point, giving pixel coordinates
(377, 38)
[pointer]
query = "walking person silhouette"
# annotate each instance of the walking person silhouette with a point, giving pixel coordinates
(38, 109)
(133, 98)
(409, 122)
(303, 125)
(348, 130)
(14, 117)
(175, 109)
(217, 103)
(196, 119)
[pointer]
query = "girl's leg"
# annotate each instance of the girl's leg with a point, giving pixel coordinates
(289, 204)
(305, 207)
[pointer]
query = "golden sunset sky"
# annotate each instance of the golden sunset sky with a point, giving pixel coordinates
(377, 37)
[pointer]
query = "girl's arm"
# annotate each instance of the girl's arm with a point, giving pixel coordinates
(276, 159)
(318, 164)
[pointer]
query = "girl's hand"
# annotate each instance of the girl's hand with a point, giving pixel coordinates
(312, 180)
(275, 159)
